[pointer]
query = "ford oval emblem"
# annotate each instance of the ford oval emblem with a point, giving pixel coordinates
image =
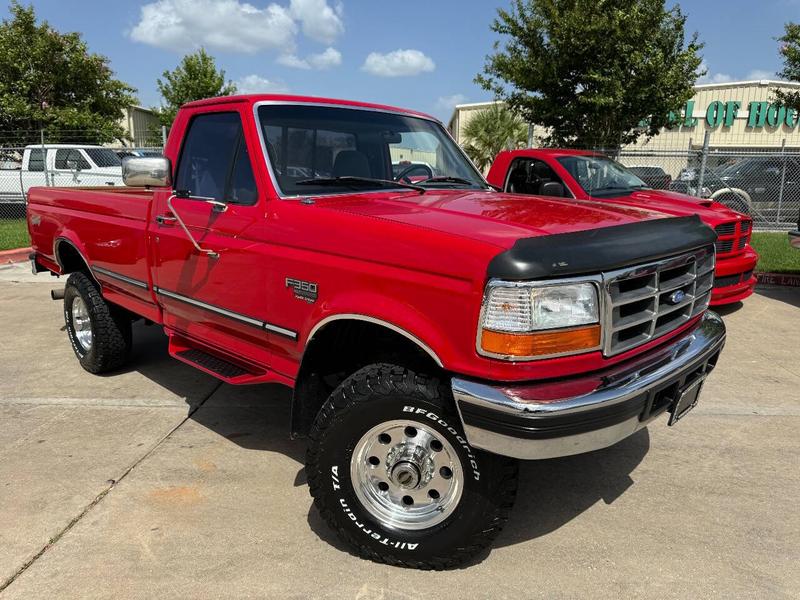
(677, 297)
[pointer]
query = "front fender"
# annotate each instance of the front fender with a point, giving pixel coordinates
(389, 312)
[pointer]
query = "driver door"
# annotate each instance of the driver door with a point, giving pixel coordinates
(210, 278)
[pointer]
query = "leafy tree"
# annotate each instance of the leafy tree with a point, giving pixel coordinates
(592, 70)
(790, 50)
(491, 130)
(196, 77)
(50, 80)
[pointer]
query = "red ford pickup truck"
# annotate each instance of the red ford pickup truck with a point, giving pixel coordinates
(433, 329)
(591, 176)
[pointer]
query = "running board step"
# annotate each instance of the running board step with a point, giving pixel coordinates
(227, 370)
(221, 368)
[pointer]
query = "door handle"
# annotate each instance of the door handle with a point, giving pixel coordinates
(166, 220)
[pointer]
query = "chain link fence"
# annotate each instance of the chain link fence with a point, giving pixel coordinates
(63, 158)
(763, 182)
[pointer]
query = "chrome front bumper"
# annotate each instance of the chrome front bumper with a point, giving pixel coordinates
(589, 412)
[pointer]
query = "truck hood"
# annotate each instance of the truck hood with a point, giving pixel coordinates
(679, 205)
(493, 217)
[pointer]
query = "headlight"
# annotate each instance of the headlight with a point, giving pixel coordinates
(536, 321)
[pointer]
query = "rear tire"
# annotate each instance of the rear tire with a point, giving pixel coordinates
(734, 202)
(100, 333)
(392, 474)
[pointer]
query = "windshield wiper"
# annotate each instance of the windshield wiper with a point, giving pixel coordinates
(349, 180)
(447, 179)
(618, 188)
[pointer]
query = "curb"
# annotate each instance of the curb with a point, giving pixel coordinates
(14, 256)
(782, 279)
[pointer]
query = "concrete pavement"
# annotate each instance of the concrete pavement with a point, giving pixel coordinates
(159, 481)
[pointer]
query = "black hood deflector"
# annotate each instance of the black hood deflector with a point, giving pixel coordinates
(596, 250)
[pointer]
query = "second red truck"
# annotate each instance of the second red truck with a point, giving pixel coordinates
(586, 175)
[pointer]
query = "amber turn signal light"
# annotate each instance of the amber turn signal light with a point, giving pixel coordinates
(541, 343)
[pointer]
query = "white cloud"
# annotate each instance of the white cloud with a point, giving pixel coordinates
(185, 25)
(255, 84)
(399, 63)
(710, 77)
(320, 22)
(293, 61)
(761, 74)
(448, 103)
(331, 57)
(235, 26)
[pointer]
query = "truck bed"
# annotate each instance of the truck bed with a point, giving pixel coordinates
(107, 228)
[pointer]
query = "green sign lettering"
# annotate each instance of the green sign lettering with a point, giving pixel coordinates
(689, 120)
(758, 114)
(731, 110)
(715, 113)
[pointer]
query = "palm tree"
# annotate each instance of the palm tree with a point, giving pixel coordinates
(491, 130)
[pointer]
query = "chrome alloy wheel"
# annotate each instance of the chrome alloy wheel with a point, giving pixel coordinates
(82, 323)
(406, 475)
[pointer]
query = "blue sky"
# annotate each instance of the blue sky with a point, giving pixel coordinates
(351, 49)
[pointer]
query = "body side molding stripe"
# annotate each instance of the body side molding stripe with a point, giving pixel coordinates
(230, 314)
(123, 278)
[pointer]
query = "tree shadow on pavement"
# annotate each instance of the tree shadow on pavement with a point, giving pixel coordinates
(789, 295)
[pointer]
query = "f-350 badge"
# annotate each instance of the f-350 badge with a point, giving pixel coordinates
(303, 290)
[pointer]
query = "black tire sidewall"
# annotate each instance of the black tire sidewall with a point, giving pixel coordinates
(474, 510)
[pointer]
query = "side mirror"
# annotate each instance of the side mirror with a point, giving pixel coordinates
(146, 172)
(73, 164)
(552, 188)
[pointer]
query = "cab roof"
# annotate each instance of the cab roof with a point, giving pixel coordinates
(292, 99)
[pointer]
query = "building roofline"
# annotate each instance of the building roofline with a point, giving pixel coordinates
(761, 82)
(472, 104)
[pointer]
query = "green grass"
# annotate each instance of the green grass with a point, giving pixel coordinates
(13, 234)
(777, 255)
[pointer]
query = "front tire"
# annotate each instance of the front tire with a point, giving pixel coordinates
(100, 333)
(392, 474)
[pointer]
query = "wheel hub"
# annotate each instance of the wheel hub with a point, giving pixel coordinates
(406, 475)
(82, 323)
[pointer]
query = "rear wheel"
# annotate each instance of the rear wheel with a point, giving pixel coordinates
(392, 473)
(100, 332)
(735, 202)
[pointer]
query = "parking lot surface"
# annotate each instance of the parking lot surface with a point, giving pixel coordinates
(158, 481)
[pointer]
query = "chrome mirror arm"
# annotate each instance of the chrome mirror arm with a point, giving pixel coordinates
(215, 203)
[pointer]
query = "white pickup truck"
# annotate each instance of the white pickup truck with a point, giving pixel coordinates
(62, 165)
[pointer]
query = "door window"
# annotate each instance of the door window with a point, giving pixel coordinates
(214, 162)
(36, 160)
(69, 158)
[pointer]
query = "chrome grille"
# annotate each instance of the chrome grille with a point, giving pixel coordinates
(642, 304)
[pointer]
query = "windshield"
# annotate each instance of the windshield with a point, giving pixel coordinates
(103, 157)
(601, 176)
(305, 142)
